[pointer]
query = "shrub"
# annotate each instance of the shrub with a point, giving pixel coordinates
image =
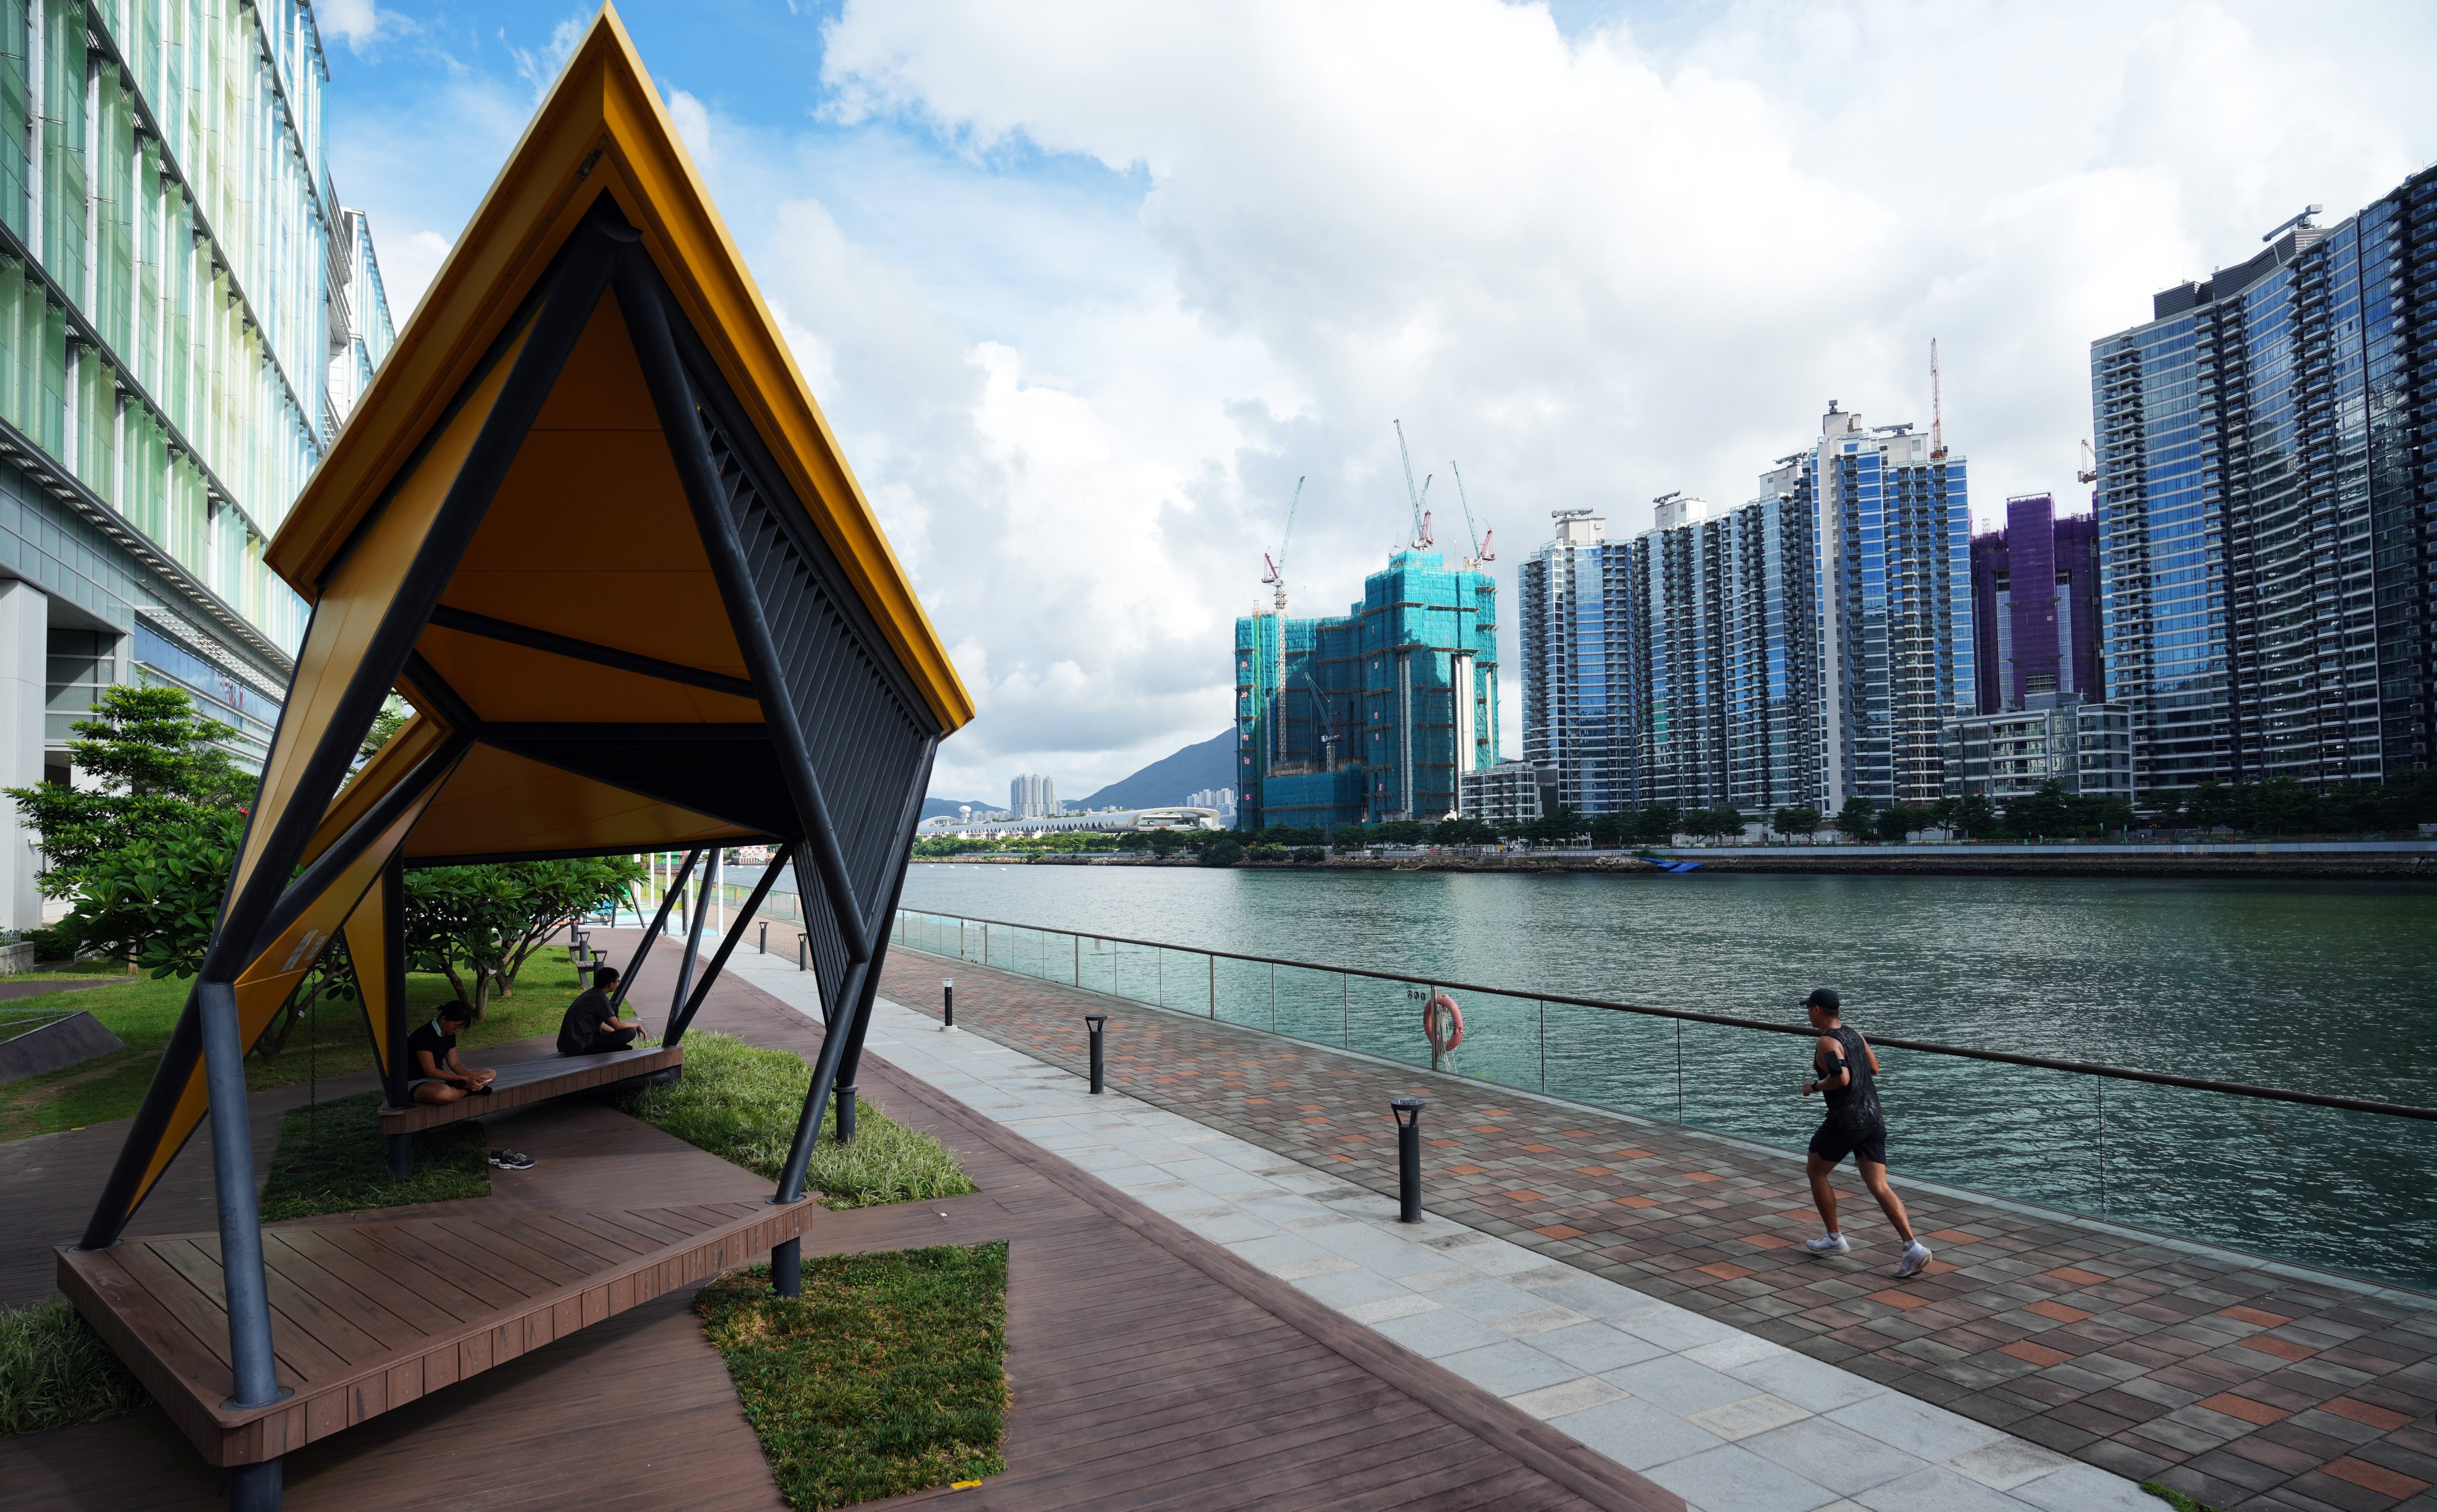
(1223, 853)
(1309, 855)
(1267, 853)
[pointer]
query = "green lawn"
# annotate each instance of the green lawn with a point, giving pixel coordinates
(56, 1372)
(741, 1103)
(888, 1375)
(142, 1010)
(335, 1159)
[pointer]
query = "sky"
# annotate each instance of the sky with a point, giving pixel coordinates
(1084, 288)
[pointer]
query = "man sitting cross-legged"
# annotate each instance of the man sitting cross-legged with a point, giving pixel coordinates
(438, 1075)
(591, 1026)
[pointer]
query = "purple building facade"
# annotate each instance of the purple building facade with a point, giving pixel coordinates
(2035, 606)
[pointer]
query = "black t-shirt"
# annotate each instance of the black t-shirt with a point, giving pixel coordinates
(587, 1018)
(1855, 1104)
(430, 1037)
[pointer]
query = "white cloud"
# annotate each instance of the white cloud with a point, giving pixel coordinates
(359, 24)
(538, 66)
(1085, 286)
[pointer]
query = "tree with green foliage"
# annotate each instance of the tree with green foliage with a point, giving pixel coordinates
(394, 712)
(1898, 821)
(1972, 814)
(1265, 852)
(1858, 819)
(1462, 832)
(477, 924)
(1793, 822)
(2042, 814)
(151, 765)
(1609, 831)
(1309, 855)
(1655, 824)
(1224, 852)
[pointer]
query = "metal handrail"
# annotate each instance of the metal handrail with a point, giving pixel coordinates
(2125, 1073)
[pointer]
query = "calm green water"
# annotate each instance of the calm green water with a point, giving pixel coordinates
(2324, 987)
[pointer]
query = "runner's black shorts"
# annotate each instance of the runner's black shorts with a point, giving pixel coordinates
(1833, 1144)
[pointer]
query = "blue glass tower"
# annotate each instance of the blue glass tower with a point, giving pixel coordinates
(2268, 526)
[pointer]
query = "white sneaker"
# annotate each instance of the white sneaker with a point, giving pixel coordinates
(1916, 1259)
(1828, 1244)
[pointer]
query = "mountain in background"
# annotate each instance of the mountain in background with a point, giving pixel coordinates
(946, 807)
(1169, 779)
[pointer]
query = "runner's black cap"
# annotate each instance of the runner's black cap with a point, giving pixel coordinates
(1824, 997)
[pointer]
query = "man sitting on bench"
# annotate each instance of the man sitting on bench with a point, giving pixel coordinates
(591, 1026)
(438, 1075)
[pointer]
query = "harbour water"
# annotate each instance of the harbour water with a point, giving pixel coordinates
(2322, 988)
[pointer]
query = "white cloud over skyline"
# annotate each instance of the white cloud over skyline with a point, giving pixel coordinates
(1085, 287)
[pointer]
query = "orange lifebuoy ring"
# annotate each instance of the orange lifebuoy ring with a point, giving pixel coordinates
(1442, 1022)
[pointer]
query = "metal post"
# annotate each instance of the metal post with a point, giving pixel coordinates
(1542, 1003)
(1098, 1022)
(1409, 1159)
(787, 1268)
(670, 899)
(1679, 1070)
(249, 1298)
(401, 1146)
(948, 1005)
(256, 1488)
(846, 1115)
(765, 938)
(1213, 986)
(694, 934)
(986, 941)
(1274, 997)
(1079, 960)
(804, 951)
(1345, 1006)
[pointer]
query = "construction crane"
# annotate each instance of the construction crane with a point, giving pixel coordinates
(1936, 409)
(2088, 471)
(1422, 541)
(1276, 577)
(1481, 544)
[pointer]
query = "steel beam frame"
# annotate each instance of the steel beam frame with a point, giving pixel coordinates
(693, 936)
(659, 922)
(729, 940)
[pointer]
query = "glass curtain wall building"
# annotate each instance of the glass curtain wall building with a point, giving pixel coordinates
(2268, 511)
(1375, 715)
(1581, 665)
(185, 317)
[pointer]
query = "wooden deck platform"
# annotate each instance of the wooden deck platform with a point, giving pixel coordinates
(527, 1082)
(369, 1316)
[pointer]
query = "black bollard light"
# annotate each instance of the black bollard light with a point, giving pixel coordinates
(947, 1004)
(1099, 1062)
(803, 947)
(1409, 1159)
(846, 1115)
(766, 939)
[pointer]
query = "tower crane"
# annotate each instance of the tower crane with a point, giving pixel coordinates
(1423, 540)
(1276, 577)
(2088, 471)
(1937, 410)
(1481, 542)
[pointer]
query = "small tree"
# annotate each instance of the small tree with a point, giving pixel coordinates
(1898, 820)
(478, 925)
(1223, 853)
(1793, 822)
(1858, 819)
(1655, 824)
(1972, 814)
(153, 767)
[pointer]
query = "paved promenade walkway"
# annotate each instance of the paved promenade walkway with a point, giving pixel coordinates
(1729, 1421)
(2253, 1388)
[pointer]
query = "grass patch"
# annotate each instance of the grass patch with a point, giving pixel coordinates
(2173, 1498)
(888, 1375)
(344, 1134)
(55, 1371)
(142, 1010)
(741, 1103)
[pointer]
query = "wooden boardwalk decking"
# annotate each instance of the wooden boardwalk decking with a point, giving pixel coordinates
(368, 1315)
(1148, 1368)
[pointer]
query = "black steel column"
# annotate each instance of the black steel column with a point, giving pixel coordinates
(693, 936)
(728, 945)
(660, 921)
(392, 926)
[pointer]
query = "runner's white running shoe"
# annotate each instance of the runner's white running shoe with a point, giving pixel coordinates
(1828, 1244)
(1916, 1259)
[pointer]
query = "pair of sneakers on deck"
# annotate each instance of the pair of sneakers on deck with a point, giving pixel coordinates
(511, 1161)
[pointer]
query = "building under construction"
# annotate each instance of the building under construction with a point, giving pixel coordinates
(1372, 715)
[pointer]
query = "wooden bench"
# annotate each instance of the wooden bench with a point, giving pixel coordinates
(368, 1315)
(524, 1083)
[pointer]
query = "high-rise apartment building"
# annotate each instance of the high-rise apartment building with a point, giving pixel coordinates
(1032, 795)
(2268, 506)
(2035, 606)
(1581, 664)
(1796, 651)
(1374, 715)
(185, 314)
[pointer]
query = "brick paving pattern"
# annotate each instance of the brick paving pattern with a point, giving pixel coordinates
(2251, 1391)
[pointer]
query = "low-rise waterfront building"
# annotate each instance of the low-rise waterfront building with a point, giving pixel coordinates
(1511, 792)
(2083, 746)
